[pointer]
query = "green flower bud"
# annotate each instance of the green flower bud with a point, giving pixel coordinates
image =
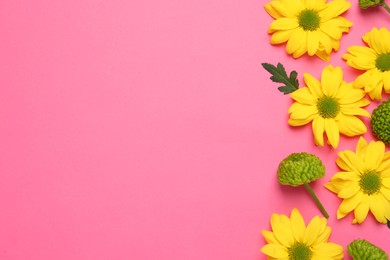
(364, 250)
(368, 3)
(380, 122)
(300, 168)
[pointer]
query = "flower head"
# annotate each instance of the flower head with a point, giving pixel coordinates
(362, 249)
(332, 105)
(369, 3)
(292, 239)
(313, 27)
(380, 122)
(364, 185)
(374, 60)
(300, 168)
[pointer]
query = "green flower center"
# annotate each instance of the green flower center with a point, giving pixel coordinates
(383, 62)
(370, 182)
(299, 251)
(328, 107)
(309, 20)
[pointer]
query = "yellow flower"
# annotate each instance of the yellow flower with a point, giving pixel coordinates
(374, 60)
(364, 185)
(310, 26)
(332, 106)
(291, 239)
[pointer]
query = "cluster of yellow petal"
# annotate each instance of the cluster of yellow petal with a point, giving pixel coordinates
(374, 60)
(308, 26)
(331, 104)
(364, 185)
(292, 239)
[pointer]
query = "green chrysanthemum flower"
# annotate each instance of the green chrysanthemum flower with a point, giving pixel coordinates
(364, 250)
(380, 122)
(301, 169)
(369, 3)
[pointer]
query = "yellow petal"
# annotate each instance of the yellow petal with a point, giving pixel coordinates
(386, 193)
(303, 96)
(299, 122)
(339, 185)
(315, 5)
(327, 250)
(385, 165)
(386, 179)
(349, 191)
(346, 176)
(351, 125)
(279, 37)
(323, 238)
(302, 48)
(361, 212)
(351, 203)
(331, 79)
(325, 42)
(299, 111)
(314, 85)
(362, 58)
(349, 96)
(318, 127)
(376, 92)
(323, 55)
(374, 154)
(312, 231)
(378, 205)
(357, 111)
(312, 42)
(296, 40)
(283, 24)
(361, 103)
(281, 226)
(384, 35)
(286, 8)
(275, 250)
(298, 225)
(335, 27)
(271, 11)
(269, 237)
(361, 148)
(353, 161)
(375, 41)
(334, 9)
(386, 81)
(332, 131)
(330, 187)
(363, 79)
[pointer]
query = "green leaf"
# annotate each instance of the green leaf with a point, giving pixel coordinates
(279, 75)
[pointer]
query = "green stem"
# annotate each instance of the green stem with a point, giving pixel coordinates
(384, 5)
(319, 204)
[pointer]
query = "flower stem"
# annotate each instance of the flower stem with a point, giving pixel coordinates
(319, 204)
(384, 5)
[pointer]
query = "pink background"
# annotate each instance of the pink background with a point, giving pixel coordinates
(148, 130)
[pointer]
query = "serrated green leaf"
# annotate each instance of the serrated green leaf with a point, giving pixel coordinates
(279, 75)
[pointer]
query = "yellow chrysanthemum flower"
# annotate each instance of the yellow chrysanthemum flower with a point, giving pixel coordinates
(308, 26)
(375, 60)
(364, 185)
(332, 106)
(291, 239)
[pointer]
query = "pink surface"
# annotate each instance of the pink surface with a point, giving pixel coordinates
(148, 130)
